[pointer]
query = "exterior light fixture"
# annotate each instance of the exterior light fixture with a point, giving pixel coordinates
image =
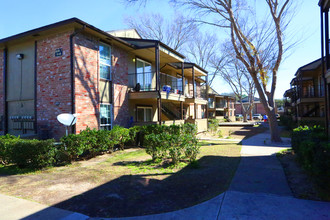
(20, 56)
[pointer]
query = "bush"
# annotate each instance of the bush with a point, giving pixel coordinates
(156, 146)
(134, 133)
(313, 152)
(33, 153)
(175, 142)
(96, 141)
(213, 125)
(6, 143)
(75, 145)
(287, 121)
(119, 136)
(321, 166)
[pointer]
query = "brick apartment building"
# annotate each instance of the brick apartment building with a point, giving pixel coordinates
(74, 67)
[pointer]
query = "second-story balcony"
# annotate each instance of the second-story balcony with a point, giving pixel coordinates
(308, 94)
(144, 86)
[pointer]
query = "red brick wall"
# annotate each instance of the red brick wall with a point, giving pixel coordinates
(258, 109)
(1, 92)
(86, 82)
(53, 83)
(238, 108)
(120, 83)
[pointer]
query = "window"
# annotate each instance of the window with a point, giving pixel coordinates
(144, 74)
(105, 61)
(144, 114)
(105, 116)
(211, 103)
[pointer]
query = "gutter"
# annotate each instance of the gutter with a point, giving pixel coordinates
(73, 106)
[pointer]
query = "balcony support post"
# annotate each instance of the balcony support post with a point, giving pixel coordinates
(194, 92)
(193, 81)
(181, 109)
(206, 96)
(182, 77)
(159, 99)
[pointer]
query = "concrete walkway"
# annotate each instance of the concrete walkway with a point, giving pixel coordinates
(259, 190)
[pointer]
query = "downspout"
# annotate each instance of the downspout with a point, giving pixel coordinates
(182, 89)
(159, 99)
(323, 75)
(73, 107)
(5, 105)
(35, 86)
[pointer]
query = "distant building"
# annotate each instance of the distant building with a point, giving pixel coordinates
(258, 107)
(220, 106)
(305, 99)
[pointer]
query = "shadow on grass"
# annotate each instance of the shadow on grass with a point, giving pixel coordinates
(14, 170)
(142, 194)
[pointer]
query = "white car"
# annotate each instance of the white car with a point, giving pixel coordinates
(257, 117)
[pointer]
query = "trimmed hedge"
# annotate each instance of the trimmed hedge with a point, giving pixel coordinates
(90, 143)
(161, 142)
(313, 152)
(174, 141)
(27, 153)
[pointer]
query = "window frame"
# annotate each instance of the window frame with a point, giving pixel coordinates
(111, 117)
(105, 64)
(144, 113)
(143, 87)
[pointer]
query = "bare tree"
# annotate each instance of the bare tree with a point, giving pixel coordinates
(239, 80)
(175, 33)
(181, 34)
(201, 49)
(258, 44)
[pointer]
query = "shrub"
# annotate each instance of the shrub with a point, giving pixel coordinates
(156, 145)
(213, 125)
(96, 141)
(119, 136)
(321, 168)
(220, 134)
(313, 152)
(6, 143)
(33, 153)
(175, 142)
(75, 145)
(134, 133)
(191, 148)
(287, 121)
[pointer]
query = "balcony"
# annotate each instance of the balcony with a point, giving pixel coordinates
(221, 105)
(308, 96)
(200, 97)
(143, 86)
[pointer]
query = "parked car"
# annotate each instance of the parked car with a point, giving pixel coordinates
(257, 117)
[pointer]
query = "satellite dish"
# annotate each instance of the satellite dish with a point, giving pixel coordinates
(67, 120)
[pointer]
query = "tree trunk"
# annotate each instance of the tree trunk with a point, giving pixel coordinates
(244, 117)
(270, 110)
(273, 126)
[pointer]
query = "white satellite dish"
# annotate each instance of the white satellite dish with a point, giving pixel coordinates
(67, 119)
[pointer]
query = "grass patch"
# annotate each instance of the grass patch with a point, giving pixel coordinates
(129, 183)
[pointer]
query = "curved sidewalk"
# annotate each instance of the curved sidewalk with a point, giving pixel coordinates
(259, 190)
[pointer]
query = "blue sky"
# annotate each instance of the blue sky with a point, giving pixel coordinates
(21, 15)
